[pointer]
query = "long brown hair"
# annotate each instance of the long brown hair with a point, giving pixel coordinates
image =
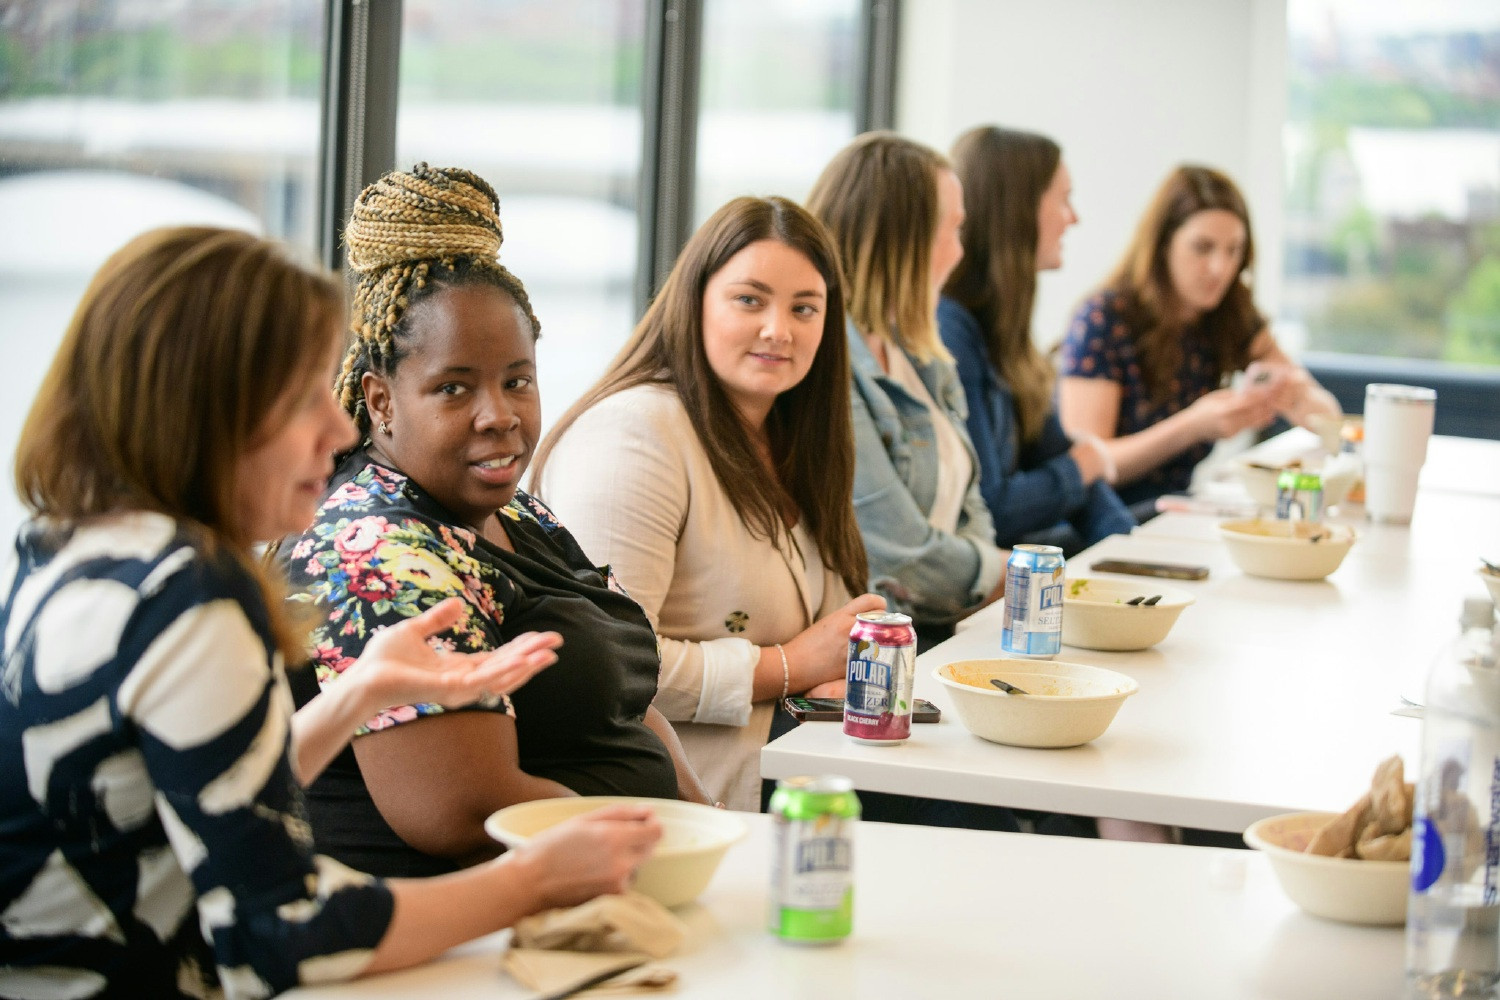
(809, 426)
(1005, 173)
(878, 196)
(169, 372)
(1148, 303)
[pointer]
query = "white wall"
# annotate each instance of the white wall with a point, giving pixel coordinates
(1128, 88)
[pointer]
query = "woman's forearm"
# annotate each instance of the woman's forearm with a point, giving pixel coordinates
(426, 922)
(1137, 454)
(325, 725)
(689, 787)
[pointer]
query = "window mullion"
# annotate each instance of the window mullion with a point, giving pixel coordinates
(357, 143)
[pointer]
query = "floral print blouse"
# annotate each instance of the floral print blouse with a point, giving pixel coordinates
(382, 550)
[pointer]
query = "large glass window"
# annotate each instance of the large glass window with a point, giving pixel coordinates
(777, 96)
(116, 118)
(542, 98)
(1393, 177)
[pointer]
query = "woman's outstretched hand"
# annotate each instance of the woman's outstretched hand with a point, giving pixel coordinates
(402, 666)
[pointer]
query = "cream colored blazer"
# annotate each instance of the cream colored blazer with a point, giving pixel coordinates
(631, 481)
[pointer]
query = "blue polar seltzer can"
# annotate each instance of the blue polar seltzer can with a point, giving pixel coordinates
(1033, 602)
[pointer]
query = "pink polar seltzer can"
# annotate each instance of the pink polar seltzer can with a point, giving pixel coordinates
(882, 666)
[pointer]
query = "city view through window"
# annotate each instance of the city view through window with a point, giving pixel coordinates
(1393, 178)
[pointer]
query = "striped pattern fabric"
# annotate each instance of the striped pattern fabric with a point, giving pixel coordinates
(153, 841)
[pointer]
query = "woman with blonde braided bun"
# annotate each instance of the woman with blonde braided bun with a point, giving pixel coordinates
(441, 383)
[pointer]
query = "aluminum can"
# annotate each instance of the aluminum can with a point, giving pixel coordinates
(1033, 602)
(881, 668)
(1299, 493)
(812, 859)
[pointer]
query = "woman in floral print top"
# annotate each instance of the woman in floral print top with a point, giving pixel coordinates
(441, 383)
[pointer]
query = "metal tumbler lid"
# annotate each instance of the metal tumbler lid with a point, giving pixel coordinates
(1400, 393)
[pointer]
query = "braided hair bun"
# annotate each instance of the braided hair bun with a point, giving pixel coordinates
(411, 234)
(430, 212)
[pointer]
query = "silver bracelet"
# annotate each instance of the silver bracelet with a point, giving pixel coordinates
(786, 673)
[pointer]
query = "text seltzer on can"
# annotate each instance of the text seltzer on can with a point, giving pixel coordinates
(1033, 602)
(881, 668)
(812, 861)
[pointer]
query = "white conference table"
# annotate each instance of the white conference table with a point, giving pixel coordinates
(961, 913)
(1268, 696)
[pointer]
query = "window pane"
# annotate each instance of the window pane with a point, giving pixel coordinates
(542, 98)
(1393, 178)
(777, 96)
(118, 118)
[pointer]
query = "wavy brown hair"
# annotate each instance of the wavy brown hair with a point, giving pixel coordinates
(810, 428)
(171, 369)
(878, 196)
(1149, 305)
(1005, 173)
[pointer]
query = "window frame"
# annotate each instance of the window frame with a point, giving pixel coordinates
(361, 70)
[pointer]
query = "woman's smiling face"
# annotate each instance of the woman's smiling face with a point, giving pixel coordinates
(763, 315)
(462, 406)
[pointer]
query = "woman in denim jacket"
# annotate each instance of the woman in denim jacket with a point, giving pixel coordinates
(894, 208)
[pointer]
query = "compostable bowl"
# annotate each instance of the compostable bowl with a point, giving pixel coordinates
(1260, 482)
(1350, 890)
(694, 839)
(1338, 473)
(1095, 615)
(1287, 550)
(1492, 581)
(1066, 704)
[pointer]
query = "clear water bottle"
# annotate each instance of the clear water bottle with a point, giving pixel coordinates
(1453, 918)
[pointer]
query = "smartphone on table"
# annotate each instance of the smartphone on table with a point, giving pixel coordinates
(1136, 567)
(832, 709)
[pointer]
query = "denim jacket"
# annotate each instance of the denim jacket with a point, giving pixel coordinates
(932, 575)
(1032, 487)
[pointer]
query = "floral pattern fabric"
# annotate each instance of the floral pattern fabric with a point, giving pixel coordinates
(369, 571)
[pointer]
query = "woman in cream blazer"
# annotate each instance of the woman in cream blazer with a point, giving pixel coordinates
(712, 470)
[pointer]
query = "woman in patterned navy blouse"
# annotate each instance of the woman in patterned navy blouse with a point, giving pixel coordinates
(1146, 359)
(152, 834)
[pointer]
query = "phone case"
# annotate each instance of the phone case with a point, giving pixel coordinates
(1169, 571)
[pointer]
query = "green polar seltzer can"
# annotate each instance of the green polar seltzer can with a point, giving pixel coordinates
(812, 863)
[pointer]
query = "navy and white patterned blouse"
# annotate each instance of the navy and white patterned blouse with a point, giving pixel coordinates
(152, 839)
(1100, 344)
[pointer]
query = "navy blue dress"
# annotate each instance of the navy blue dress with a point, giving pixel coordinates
(1100, 344)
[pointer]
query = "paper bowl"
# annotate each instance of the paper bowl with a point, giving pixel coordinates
(1345, 889)
(1068, 704)
(1492, 581)
(1339, 473)
(694, 839)
(1095, 615)
(1287, 550)
(1260, 482)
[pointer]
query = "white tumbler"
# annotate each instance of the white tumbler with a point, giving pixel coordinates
(1398, 423)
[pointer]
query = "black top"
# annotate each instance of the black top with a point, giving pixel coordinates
(381, 550)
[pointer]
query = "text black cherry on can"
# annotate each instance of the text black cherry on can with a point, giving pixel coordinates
(882, 666)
